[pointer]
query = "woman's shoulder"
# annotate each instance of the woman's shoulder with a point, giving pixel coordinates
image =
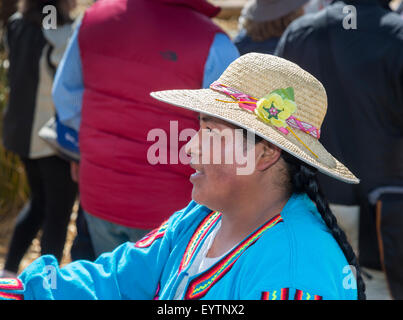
(14, 18)
(17, 20)
(14, 23)
(311, 240)
(303, 221)
(21, 30)
(301, 253)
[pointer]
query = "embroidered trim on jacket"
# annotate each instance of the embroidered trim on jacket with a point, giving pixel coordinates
(282, 294)
(199, 286)
(10, 284)
(11, 296)
(201, 231)
(301, 295)
(153, 235)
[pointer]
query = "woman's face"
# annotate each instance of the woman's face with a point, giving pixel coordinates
(224, 164)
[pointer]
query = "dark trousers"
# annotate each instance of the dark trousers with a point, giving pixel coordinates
(82, 248)
(389, 223)
(53, 193)
(381, 239)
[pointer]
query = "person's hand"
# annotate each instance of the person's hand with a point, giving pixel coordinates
(75, 171)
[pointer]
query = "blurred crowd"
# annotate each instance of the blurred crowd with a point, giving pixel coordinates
(79, 113)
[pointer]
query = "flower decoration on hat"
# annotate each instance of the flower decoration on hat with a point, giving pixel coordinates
(276, 107)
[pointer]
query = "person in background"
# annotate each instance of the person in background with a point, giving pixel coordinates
(359, 59)
(316, 5)
(262, 22)
(122, 50)
(34, 53)
(7, 9)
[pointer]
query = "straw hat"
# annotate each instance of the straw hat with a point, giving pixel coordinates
(252, 93)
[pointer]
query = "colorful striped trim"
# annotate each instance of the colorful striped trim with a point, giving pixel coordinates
(284, 293)
(197, 237)
(275, 295)
(11, 296)
(301, 295)
(199, 286)
(152, 236)
(265, 295)
(298, 295)
(11, 284)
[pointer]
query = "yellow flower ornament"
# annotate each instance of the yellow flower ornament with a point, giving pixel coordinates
(276, 107)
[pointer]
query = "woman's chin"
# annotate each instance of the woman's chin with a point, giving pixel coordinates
(196, 196)
(199, 197)
(203, 199)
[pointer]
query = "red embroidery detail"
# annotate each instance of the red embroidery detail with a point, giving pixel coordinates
(152, 236)
(201, 231)
(199, 286)
(265, 295)
(275, 296)
(298, 295)
(11, 284)
(284, 294)
(11, 296)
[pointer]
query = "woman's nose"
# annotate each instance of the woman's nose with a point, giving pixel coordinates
(192, 148)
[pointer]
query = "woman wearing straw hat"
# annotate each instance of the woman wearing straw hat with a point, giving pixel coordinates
(267, 234)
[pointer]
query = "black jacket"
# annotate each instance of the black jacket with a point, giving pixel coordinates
(25, 43)
(362, 72)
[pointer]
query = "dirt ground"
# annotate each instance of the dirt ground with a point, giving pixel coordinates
(6, 229)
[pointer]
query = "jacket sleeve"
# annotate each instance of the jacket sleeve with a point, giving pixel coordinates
(222, 53)
(68, 86)
(131, 271)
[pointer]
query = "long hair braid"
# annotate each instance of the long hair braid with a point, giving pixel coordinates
(303, 179)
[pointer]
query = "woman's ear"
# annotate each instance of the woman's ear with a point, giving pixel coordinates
(267, 155)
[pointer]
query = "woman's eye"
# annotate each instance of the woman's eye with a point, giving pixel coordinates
(210, 131)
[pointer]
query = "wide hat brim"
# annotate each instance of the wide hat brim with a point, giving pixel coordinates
(204, 101)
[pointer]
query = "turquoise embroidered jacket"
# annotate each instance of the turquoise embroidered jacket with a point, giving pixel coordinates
(292, 256)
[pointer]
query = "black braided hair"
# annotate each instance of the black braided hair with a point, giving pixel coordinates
(303, 179)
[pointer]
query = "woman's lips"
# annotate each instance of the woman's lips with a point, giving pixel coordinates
(197, 175)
